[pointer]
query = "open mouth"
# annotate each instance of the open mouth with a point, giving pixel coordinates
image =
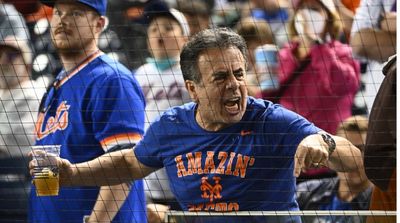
(232, 105)
(160, 41)
(62, 31)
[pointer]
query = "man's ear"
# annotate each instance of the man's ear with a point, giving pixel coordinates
(191, 88)
(101, 24)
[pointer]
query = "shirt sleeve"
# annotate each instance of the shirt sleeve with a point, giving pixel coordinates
(148, 150)
(292, 128)
(117, 112)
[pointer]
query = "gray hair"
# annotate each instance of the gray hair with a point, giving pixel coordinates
(208, 39)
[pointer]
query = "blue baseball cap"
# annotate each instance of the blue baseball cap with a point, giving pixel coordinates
(157, 8)
(99, 6)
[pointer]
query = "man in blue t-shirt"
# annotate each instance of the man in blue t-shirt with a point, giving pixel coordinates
(94, 106)
(225, 151)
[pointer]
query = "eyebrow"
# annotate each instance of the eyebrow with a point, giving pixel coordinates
(225, 72)
(238, 71)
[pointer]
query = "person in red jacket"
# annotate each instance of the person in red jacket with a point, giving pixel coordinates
(318, 75)
(324, 89)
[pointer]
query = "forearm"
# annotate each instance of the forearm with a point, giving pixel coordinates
(374, 44)
(108, 203)
(109, 169)
(346, 156)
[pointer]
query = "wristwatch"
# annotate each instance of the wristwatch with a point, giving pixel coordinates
(328, 139)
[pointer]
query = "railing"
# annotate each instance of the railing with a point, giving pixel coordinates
(274, 216)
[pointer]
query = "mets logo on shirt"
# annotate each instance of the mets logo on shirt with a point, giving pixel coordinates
(54, 123)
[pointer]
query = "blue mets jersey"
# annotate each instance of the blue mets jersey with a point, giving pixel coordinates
(245, 167)
(95, 107)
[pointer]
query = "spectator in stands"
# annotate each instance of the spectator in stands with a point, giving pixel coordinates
(19, 101)
(276, 13)
(373, 33)
(163, 86)
(374, 37)
(224, 151)
(322, 73)
(255, 32)
(318, 76)
(45, 61)
(94, 106)
(347, 10)
(196, 13)
(347, 191)
(380, 151)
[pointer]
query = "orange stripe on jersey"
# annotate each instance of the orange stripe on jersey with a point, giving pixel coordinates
(124, 138)
(83, 64)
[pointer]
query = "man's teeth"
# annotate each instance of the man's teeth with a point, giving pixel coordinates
(232, 102)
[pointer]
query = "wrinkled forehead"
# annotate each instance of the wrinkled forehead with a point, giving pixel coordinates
(221, 58)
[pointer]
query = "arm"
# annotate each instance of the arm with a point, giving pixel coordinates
(313, 151)
(374, 44)
(368, 39)
(109, 169)
(109, 201)
(119, 129)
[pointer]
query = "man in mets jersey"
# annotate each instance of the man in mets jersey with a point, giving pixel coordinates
(95, 105)
(225, 151)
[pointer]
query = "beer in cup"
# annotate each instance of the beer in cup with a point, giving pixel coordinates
(46, 175)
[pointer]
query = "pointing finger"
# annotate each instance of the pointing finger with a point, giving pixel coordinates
(298, 162)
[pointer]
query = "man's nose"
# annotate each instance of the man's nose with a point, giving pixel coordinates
(233, 83)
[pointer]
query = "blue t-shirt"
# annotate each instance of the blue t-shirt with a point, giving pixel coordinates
(96, 106)
(245, 167)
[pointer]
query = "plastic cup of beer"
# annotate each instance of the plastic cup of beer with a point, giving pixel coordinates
(46, 174)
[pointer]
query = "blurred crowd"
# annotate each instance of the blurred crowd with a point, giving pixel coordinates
(314, 57)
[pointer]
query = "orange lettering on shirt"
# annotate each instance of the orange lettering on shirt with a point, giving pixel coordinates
(241, 165)
(209, 166)
(221, 167)
(194, 164)
(233, 207)
(223, 206)
(229, 167)
(54, 123)
(181, 171)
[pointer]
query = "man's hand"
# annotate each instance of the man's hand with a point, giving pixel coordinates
(156, 213)
(311, 152)
(388, 22)
(64, 166)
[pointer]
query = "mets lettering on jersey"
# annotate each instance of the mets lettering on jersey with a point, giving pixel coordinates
(211, 191)
(54, 123)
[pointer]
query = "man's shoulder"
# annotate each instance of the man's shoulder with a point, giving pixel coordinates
(260, 107)
(110, 67)
(181, 111)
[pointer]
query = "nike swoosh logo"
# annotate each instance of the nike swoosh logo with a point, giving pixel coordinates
(245, 132)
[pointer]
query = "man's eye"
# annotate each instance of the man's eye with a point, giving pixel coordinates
(57, 13)
(239, 76)
(77, 13)
(219, 77)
